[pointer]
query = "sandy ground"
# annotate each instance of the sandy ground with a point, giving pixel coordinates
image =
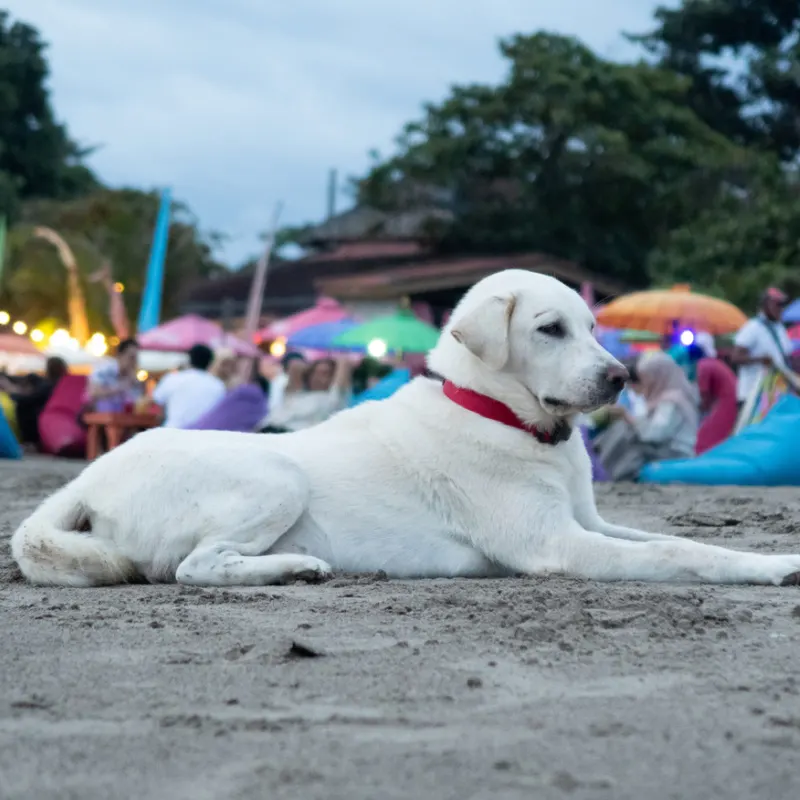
(449, 690)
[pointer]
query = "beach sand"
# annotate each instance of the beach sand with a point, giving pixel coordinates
(366, 688)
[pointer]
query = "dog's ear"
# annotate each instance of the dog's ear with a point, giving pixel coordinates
(484, 330)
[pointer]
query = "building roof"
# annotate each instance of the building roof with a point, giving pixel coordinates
(291, 284)
(454, 273)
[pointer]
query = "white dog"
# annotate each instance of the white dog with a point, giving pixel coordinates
(477, 477)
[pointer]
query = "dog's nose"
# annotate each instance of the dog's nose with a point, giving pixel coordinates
(617, 376)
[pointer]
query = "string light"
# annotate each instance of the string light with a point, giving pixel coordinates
(60, 338)
(278, 348)
(97, 345)
(19, 327)
(5, 317)
(37, 335)
(142, 375)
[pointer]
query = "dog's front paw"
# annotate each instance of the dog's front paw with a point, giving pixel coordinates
(313, 570)
(783, 570)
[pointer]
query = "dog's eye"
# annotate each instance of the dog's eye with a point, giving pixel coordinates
(555, 329)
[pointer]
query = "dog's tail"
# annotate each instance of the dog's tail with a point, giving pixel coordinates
(55, 546)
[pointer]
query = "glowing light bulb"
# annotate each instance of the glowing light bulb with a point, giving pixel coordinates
(19, 327)
(37, 335)
(687, 338)
(5, 317)
(278, 348)
(377, 348)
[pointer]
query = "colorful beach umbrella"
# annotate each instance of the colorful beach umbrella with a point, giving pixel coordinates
(398, 332)
(791, 314)
(181, 334)
(320, 337)
(326, 310)
(659, 310)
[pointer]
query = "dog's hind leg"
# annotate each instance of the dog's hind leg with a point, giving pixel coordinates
(235, 556)
(220, 565)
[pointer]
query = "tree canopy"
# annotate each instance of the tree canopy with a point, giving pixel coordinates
(44, 181)
(37, 157)
(741, 57)
(570, 154)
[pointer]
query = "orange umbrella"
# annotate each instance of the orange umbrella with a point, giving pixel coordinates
(660, 309)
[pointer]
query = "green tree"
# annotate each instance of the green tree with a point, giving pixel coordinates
(571, 154)
(743, 243)
(107, 225)
(37, 157)
(742, 58)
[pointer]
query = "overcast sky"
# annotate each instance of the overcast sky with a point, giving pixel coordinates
(237, 104)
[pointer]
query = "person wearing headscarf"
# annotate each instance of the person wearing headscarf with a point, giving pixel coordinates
(666, 427)
(716, 383)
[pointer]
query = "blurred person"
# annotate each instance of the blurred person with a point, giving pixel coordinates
(291, 378)
(762, 344)
(716, 383)
(328, 385)
(114, 385)
(667, 428)
(319, 376)
(30, 402)
(225, 366)
(190, 393)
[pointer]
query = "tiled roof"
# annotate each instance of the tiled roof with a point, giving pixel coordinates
(454, 273)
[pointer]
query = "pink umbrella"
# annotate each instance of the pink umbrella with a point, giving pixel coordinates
(179, 335)
(326, 310)
(19, 345)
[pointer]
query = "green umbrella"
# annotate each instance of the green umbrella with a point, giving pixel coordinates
(398, 332)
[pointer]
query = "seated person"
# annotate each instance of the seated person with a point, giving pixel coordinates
(328, 384)
(113, 386)
(190, 393)
(716, 382)
(667, 427)
(31, 397)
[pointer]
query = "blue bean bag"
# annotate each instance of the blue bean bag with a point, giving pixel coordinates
(764, 454)
(9, 446)
(383, 389)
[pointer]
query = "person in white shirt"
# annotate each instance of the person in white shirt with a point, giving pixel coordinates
(762, 344)
(290, 379)
(187, 395)
(328, 385)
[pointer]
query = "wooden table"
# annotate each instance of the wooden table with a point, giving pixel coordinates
(118, 426)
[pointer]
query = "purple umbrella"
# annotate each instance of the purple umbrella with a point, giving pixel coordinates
(320, 337)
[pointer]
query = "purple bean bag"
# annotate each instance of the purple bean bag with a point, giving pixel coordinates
(598, 471)
(240, 410)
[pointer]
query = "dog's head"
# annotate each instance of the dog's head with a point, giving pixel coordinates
(527, 340)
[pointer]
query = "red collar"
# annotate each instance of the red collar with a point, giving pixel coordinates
(493, 409)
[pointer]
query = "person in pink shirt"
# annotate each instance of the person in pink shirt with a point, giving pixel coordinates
(716, 383)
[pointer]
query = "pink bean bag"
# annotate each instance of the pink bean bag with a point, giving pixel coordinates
(60, 432)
